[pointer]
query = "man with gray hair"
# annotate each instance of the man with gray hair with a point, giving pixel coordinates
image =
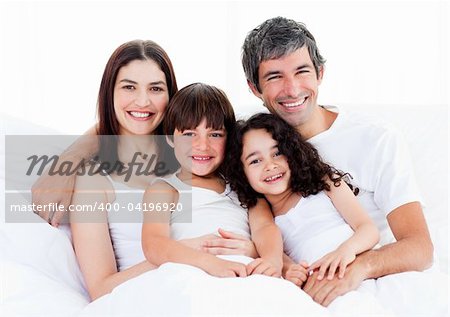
(284, 69)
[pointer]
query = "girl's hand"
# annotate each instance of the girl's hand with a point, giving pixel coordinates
(297, 273)
(341, 257)
(223, 268)
(229, 243)
(264, 267)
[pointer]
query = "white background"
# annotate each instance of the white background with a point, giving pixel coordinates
(378, 53)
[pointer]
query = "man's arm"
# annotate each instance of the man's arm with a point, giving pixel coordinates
(413, 251)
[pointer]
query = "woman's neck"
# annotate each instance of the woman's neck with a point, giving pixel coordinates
(281, 203)
(140, 147)
(139, 154)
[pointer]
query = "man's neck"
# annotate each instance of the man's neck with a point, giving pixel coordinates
(320, 121)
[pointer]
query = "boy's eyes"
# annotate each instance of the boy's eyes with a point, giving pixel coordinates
(214, 134)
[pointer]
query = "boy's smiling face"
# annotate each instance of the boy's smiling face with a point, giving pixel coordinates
(201, 150)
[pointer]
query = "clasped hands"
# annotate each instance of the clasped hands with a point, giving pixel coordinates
(229, 243)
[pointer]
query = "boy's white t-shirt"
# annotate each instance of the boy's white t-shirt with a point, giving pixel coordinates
(376, 156)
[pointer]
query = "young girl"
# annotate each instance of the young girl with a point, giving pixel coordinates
(196, 200)
(321, 221)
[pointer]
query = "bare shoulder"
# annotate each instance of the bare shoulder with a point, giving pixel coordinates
(94, 184)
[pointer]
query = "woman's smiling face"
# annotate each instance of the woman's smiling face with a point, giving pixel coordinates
(140, 97)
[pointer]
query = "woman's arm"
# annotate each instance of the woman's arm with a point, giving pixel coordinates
(159, 248)
(92, 241)
(365, 237)
(267, 239)
(59, 188)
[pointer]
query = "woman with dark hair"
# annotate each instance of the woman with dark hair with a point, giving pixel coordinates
(136, 86)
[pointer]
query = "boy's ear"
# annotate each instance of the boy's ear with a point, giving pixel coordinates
(169, 140)
(254, 89)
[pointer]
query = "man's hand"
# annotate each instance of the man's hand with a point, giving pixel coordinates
(297, 273)
(264, 267)
(56, 189)
(325, 291)
(230, 244)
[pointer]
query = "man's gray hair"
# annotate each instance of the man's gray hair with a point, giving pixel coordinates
(275, 38)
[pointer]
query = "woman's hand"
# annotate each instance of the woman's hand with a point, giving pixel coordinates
(229, 243)
(56, 189)
(197, 243)
(223, 268)
(297, 273)
(339, 258)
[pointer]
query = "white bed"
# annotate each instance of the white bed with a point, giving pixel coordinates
(40, 276)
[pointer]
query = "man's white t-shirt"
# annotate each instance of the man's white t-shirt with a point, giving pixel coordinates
(376, 156)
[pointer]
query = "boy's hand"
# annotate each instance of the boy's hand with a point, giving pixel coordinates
(339, 258)
(223, 268)
(297, 273)
(264, 267)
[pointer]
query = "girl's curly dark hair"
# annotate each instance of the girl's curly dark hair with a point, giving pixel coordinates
(308, 170)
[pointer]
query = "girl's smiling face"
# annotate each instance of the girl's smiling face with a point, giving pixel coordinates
(267, 170)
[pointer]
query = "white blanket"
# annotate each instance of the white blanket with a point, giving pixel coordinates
(182, 290)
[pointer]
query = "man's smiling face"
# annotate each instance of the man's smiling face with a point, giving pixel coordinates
(289, 86)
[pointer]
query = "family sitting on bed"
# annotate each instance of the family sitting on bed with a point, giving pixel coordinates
(312, 181)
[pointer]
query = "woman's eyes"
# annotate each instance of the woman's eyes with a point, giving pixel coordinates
(129, 87)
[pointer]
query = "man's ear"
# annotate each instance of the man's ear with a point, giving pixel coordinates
(169, 140)
(254, 89)
(320, 75)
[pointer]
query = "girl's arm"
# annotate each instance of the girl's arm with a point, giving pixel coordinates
(267, 239)
(159, 248)
(365, 237)
(92, 242)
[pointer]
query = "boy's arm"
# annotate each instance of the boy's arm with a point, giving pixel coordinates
(267, 239)
(159, 248)
(58, 189)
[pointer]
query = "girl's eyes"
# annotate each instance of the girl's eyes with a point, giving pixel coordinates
(277, 153)
(255, 161)
(129, 87)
